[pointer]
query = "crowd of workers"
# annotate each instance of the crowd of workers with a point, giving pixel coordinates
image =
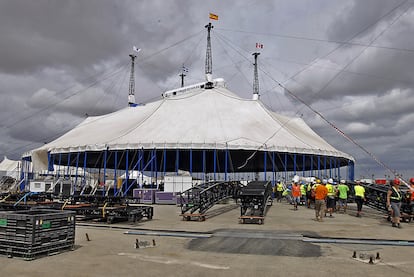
(327, 196)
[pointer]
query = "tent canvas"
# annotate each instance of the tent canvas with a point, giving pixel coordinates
(191, 118)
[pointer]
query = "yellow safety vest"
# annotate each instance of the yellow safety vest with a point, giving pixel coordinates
(330, 188)
(279, 187)
(359, 191)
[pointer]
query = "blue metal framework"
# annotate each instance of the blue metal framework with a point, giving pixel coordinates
(199, 162)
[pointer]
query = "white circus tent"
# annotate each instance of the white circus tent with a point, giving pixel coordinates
(192, 118)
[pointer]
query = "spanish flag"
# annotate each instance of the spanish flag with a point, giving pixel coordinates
(213, 16)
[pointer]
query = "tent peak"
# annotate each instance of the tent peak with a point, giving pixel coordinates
(218, 82)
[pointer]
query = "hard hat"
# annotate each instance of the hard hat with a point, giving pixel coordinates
(295, 179)
(318, 181)
(396, 181)
(330, 181)
(412, 180)
(342, 181)
(324, 181)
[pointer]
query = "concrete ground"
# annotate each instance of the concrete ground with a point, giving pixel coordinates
(221, 246)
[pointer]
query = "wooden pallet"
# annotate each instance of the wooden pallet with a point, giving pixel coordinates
(252, 218)
(198, 217)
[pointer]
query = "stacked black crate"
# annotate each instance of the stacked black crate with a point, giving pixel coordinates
(33, 233)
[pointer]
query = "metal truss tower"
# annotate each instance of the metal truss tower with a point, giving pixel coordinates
(131, 94)
(255, 78)
(209, 63)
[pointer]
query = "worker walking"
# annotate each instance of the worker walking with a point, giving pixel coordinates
(331, 196)
(303, 187)
(309, 197)
(279, 191)
(321, 193)
(343, 190)
(394, 197)
(296, 192)
(359, 197)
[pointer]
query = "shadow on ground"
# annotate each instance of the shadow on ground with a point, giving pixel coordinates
(262, 243)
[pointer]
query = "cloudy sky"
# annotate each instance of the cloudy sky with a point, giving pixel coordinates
(352, 61)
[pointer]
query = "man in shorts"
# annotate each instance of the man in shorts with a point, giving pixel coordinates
(343, 190)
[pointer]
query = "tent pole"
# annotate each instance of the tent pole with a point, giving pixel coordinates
(330, 167)
(273, 168)
(285, 165)
(294, 164)
(319, 167)
(311, 165)
(60, 160)
(191, 161)
(339, 168)
(177, 161)
(125, 183)
(68, 166)
(303, 164)
(351, 173)
(141, 165)
(76, 172)
(204, 165)
(156, 168)
(226, 155)
(141, 157)
(84, 169)
(104, 177)
(115, 171)
(165, 161)
(265, 165)
(49, 158)
(215, 163)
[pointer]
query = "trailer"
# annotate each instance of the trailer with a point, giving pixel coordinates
(255, 198)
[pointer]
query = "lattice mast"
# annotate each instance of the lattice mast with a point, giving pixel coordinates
(255, 78)
(131, 94)
(209, 62)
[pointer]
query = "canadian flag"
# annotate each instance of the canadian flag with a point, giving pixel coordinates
(259, 45)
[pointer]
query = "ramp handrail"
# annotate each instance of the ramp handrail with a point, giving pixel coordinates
(204, 196)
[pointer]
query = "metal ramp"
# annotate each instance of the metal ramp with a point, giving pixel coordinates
(255, 197)
(196, 201)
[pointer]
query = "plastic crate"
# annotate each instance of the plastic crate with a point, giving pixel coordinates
(36, 232)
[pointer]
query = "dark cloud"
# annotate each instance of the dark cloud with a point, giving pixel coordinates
(356, 20)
